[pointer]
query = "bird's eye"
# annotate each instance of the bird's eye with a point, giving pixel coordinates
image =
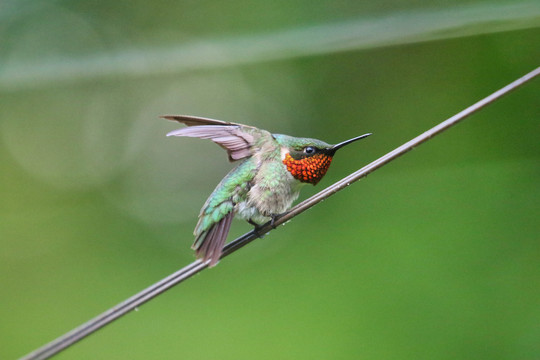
(309, 150)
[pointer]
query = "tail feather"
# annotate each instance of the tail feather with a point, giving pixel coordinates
(211, 245)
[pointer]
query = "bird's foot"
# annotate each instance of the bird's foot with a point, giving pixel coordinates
(273, 220)
(256, 229)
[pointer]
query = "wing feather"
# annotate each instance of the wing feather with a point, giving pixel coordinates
(211, 246)
(236, 139)
(197, 120)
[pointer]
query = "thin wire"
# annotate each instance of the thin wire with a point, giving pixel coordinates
(151, 292)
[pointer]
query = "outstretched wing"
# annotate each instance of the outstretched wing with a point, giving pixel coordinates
(197, 120)
(236, 139)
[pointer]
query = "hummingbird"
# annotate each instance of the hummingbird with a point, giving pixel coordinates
(271, 171)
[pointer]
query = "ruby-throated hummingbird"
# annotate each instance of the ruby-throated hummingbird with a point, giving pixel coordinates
(263, 185)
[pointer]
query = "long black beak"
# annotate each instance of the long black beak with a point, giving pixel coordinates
(334, 148)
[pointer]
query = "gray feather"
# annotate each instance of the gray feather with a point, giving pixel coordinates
(196, 120)
(212, 245)
(236, 142)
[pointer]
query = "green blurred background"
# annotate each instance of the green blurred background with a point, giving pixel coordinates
(435, 256)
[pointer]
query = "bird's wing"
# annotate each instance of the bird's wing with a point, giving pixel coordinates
(196, 120)
(209, 245)
(236, 139)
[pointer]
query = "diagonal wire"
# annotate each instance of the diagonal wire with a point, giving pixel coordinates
(161, 286)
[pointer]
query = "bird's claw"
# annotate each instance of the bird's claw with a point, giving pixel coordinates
(273, 220)
(256, 228)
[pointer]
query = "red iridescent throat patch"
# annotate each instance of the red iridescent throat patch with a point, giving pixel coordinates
(310, 170)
